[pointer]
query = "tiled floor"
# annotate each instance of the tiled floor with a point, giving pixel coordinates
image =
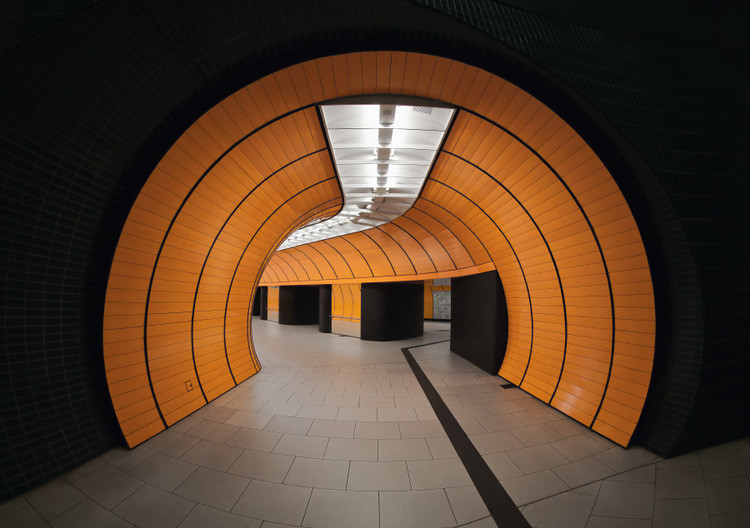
(335, 431)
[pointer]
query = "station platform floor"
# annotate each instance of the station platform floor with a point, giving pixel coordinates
(338, 432)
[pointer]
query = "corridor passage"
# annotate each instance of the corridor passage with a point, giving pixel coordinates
(337, 432)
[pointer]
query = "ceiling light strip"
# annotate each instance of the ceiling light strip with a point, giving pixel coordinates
(383, 154)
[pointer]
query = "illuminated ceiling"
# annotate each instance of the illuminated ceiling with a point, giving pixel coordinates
(382, 153)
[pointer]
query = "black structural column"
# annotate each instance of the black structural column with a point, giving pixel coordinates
(298, 305)
(479, 320)
(324, 308)
(256, 302)
(263, 302)
(393, 310)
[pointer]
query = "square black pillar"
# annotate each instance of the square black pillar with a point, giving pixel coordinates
(298, 305)
(479, 320)
(324, 308)
(392, 310)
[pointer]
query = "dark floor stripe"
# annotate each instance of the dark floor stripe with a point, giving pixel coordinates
(504, 511)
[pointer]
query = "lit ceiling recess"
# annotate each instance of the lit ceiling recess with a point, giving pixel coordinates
(383, 154)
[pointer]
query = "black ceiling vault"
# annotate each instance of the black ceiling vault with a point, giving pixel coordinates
(94, 93)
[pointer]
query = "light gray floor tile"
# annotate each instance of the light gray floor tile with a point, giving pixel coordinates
(13, 505)
(403, 449)
(318, 412)
(740, 519)
(487, 443)
(475, 398)
(206, 517)
(622, 460)
(171, 443)
(150, 507)
(245, 403)
(728, 495)
(88, 467)
(583, 471)
(411, 401)
(433, 474)
(398, 414)
(274, 502)
(126, 459)
(441, 447)
(376, 401)
(679, 483)
(88, 514)
(682, 513)
(332, 428)
(629, 500)
(466, 503)
(213, 488)
(253, 419)
(596, 521)
(469, 411)
(298, 445)
(212, 455)
(499, 422)
(646, 473)
(529, 488)
(377, 430)
(289, 424)
(487, 522)
(281, 408)
(342, 509)
(26, 517)
(536, 434)
(357, 414)
(536, 416)
(314, 473)
(567, 510)
(588, 489)
(502, 407)
(536, 458)
(273, 396)
(263, 466)
(307, 399)
(254, 439)
(502, 466)
(163, 471)
(425, 414)
(576, 447)
(341, 401)
(359, 392)
(721, 462)
(373, 476)
(186, 423)
(351, 449)
(214, 412)
(688, 460)
(422, 430)
(415, 509)
(568, 427)
(108, 485)
(53, 498)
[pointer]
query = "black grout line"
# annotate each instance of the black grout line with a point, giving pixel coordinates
(501, 507)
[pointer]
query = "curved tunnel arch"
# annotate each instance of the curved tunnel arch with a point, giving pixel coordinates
(521, 192)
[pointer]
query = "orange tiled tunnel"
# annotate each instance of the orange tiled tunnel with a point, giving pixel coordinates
(514, 189)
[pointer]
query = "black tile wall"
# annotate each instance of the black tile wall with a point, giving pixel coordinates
(93, 93)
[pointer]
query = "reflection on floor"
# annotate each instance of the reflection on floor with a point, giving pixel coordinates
(335, 431)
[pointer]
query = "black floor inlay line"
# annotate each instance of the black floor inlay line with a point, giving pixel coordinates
(504, 511)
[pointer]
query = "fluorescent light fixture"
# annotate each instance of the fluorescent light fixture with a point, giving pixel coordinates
(383, 154)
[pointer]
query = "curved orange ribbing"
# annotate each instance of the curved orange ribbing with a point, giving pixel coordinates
(515, 189)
